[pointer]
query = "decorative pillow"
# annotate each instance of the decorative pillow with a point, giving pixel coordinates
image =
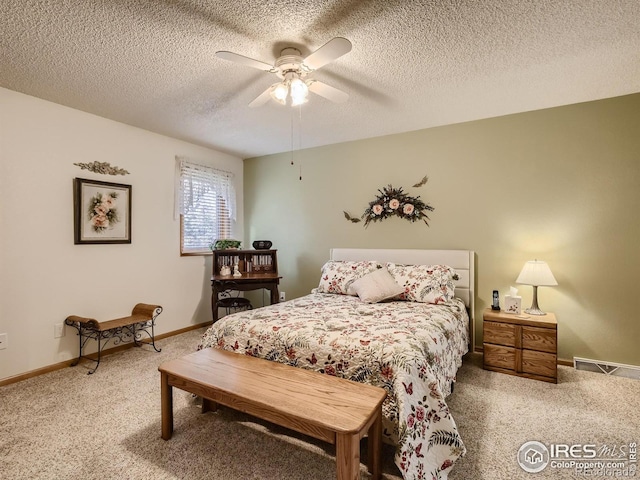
(376, 286)
(338, 276)
(424, 283)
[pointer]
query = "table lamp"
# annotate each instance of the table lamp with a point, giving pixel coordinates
(536, 273)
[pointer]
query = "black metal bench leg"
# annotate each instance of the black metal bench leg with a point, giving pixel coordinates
(153, 336)
(77, 360)
(99, 352)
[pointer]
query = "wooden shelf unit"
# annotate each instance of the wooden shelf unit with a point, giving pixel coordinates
(523, 345)
(258, 269)
(250, 262)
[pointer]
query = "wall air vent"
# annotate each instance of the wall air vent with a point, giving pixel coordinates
(608, 368)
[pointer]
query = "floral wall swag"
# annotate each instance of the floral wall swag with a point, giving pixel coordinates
(102, 167)
(395, 202)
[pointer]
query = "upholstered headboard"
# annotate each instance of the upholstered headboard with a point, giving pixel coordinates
(461, 260)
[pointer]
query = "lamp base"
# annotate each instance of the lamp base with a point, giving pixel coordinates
(534, 309)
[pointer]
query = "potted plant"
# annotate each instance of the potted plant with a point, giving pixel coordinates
(225, 244)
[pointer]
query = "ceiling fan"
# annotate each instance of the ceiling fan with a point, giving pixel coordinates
(293, 70)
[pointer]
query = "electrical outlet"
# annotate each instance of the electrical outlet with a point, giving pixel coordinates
(283, 296)
(4, 340)
(58, 330)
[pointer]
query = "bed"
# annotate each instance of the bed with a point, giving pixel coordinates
(407, 335)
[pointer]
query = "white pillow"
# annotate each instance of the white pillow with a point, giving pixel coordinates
(376, 286)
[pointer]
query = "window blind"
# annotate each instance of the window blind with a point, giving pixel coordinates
(206, 203)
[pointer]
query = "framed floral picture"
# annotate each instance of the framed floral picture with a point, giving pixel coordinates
(102, 212)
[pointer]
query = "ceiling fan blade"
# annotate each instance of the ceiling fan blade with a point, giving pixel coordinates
(327, 91)
(242, 60)
(334, 48)
(263, 97)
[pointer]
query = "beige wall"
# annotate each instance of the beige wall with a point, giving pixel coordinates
(44, 277)
(560, 185)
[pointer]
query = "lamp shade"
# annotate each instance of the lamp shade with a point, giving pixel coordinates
(538, 273)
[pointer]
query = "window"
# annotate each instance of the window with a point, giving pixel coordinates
(205, 201)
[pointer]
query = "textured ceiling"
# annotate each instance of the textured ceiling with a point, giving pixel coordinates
(414, 64)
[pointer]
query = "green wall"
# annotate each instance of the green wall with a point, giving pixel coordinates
(560, 185)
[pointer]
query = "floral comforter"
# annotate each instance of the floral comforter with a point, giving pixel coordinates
(410, 349)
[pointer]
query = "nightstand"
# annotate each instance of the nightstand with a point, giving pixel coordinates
(523, 345)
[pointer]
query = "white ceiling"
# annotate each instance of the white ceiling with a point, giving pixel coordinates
(414, 64)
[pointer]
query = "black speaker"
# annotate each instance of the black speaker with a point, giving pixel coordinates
(262, 244)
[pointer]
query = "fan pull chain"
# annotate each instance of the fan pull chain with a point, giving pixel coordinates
(292, 136)
(300, 139)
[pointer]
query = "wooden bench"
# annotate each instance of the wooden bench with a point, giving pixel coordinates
(332, 409)
(120, 330)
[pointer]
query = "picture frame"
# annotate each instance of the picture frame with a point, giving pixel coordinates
(102, 212)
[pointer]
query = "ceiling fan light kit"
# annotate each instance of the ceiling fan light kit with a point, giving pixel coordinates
(292, 87)
(293, 69)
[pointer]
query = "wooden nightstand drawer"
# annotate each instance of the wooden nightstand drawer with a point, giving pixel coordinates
(532, 338)
(499, 356)
(541, 339)
(500, 334)
(539, 363)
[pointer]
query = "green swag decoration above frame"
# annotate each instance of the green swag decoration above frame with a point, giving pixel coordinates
(394, 202)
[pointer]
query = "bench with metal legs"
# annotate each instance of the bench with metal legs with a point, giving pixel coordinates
(119, 330)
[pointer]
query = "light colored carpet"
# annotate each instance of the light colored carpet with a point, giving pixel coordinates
(69, 425)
